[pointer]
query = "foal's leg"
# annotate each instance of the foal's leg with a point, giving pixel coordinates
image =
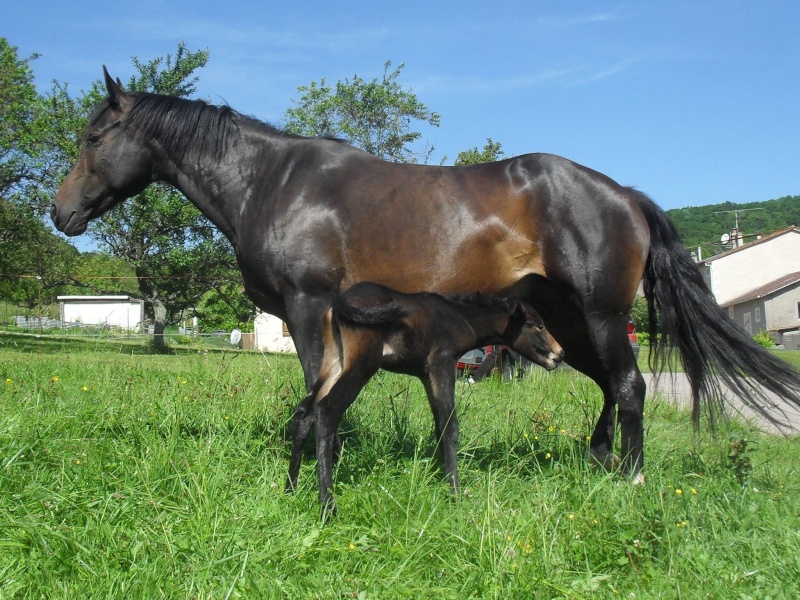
(440, 387)
(328, 412)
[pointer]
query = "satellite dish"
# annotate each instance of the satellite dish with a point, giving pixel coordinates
(725, 238)
(236, 337)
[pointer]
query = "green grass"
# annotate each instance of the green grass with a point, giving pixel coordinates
(139, 476)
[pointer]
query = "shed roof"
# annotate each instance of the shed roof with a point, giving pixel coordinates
(766, 289)
(96, 298)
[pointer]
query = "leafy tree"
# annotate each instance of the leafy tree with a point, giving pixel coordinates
(34, 262)
(18, 103)
(375, 115)
(491, 152)
(225, 307)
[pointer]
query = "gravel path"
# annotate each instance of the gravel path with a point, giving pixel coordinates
(675, 390)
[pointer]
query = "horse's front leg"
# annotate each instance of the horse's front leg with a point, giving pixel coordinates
(440, 388)
(304, 319)
(299, 429)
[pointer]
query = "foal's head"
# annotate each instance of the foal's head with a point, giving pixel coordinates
(527, 335)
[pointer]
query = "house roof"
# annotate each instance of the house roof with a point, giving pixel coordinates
(94, 298)
(766, 290)
(761, 240)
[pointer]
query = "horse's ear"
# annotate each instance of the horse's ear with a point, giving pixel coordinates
(114, 88)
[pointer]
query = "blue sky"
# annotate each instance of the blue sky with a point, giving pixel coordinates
(692, 102)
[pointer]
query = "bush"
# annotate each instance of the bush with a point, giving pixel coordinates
(764, 339)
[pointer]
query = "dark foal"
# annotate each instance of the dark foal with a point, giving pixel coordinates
(370, 327)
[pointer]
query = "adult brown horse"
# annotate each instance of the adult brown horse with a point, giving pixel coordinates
(309, 217)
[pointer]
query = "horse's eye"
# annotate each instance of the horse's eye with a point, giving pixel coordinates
(93, 139)
(533, 324)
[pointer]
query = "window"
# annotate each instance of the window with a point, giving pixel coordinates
(730, 310)
(758, 314)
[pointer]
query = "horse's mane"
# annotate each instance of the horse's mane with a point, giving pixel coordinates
(180, 124)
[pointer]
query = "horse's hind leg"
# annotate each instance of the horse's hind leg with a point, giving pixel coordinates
(610, 361)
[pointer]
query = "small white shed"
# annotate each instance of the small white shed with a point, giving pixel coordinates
(271, 334)
(112, 311)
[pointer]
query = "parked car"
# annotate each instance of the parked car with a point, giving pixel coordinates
(633, 338)
(480, 362)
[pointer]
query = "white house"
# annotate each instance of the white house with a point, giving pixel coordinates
(112, 311)
(737, 272)
(759, 284)
(271, 334)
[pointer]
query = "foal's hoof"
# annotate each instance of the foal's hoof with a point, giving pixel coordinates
(638, 479)
(606, 461)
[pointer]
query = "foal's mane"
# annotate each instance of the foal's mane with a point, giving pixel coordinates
(483, 301)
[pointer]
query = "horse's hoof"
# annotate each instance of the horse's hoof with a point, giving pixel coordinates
(328, 510)
(603, 462)
(638, 479)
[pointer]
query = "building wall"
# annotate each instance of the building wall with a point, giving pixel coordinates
(736, 274)
(782, 309)
(751, 316)
(127, 314)
(271, 334)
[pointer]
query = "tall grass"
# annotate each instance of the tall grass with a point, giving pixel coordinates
(125, 475)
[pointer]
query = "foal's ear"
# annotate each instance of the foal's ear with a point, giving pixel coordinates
(528, 311)
(114, 88)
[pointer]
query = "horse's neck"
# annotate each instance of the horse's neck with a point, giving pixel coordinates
(217, 188)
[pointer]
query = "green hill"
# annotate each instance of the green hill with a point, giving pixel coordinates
(704, 225)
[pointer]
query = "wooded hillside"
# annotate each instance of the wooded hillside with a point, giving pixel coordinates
(704, 225)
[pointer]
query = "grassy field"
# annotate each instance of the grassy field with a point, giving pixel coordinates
(129, 475)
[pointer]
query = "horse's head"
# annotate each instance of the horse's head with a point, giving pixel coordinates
(527, 335)
(113, 165)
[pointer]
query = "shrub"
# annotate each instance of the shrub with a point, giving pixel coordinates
(763, 338)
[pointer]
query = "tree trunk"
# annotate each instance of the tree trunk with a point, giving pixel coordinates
(151, 295)
(159, 323)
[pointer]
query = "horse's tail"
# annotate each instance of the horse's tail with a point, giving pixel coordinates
(382, 314)
(714, 351)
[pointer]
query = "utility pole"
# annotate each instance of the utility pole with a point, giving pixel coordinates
(736, 236)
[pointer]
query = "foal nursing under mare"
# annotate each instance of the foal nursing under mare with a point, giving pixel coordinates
(310, 217)
(370, 327)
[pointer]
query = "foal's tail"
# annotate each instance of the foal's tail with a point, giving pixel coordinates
(380, 315)
(714, 351)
